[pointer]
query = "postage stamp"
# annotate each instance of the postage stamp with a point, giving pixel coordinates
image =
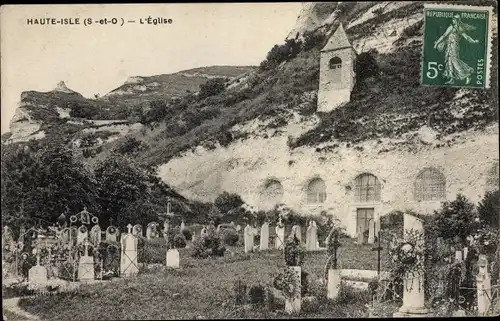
(457, 46)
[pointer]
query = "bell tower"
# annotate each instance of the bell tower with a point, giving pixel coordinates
(336, 71)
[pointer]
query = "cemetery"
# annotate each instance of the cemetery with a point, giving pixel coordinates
(275, 266)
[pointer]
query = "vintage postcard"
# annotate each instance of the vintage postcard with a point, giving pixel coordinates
(250, 160)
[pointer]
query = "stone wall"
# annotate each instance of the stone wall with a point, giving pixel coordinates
(246, 167)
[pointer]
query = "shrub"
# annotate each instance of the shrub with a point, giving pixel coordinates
(456, 220)
(366, 65)
(280, 53)
(212, 87)
(257, 294)
(228, 201)
(188, 235)
(230, 237)
(313, 40)
(152, 251)
(208, 246)
(240, 292)
(179, 241)
(294, 252)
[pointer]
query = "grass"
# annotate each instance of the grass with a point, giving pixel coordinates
(201, 288)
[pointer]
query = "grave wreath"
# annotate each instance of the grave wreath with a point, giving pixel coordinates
(406, 255)
(288, 282)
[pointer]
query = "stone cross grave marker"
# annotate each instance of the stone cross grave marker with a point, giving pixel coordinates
(86, 265)
(128, 264)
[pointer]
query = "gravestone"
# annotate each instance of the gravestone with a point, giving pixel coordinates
(112, 234)
(137, 230)
(333, 283)
(312, 236)
(238, 228)
(95, 235)
(128, 263)
(483, 283)
(413, 283)
(248, 238)
(293, 305)
(264, 236)
(279, 241)
(66, 235)
(297, 232)
(309, 237)
(371, 231)
(38, 273)
(377, 226)
(314, 233)
(218, 229)
(82, 235)
(86, 266)
(203, 232)
(151, 230)
(73, 236)
(173, 259)
(183, 226)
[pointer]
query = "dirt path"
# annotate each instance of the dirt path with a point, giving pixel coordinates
(12, 306)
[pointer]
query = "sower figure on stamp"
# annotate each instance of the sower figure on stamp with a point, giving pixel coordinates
(449, 42)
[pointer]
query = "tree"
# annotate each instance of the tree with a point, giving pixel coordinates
(122, 183)
(489, 209)
(228, 201)
(41, 182)
(457, 219)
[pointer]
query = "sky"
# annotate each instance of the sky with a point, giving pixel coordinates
(96, 59)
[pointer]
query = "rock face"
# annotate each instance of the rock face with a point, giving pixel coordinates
(373, 178)
(43, 108)
(239, 169)
(61, 87)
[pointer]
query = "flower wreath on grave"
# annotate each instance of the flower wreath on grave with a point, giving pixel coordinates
(288, 283)
(406, 255)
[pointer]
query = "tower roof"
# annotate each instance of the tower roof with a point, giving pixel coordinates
(338, 40)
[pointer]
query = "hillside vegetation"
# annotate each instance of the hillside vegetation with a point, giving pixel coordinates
(200, 107)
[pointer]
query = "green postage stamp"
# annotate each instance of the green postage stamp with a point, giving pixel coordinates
(457, 46)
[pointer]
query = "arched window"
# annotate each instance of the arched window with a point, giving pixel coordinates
(316, 191)
(366, 188)
(335, 63)
(273, 192)
(430, 185)
(492, 178)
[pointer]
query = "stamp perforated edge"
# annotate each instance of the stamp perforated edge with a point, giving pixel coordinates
(489, 42)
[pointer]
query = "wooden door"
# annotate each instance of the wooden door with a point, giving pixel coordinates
(364, 215)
